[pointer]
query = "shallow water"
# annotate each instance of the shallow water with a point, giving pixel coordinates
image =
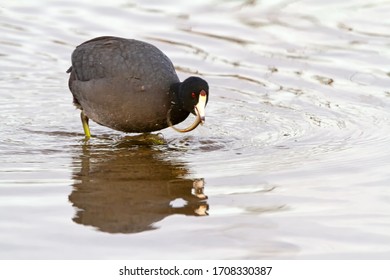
(293, 158)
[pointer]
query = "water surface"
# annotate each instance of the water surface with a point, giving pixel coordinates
(292, 162)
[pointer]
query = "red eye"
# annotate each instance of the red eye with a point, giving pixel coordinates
(193, 95)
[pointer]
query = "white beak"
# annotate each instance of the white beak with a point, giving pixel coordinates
(200, 107)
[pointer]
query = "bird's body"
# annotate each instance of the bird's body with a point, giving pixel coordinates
(129, 85)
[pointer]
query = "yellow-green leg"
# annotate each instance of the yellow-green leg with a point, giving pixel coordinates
(84, 121)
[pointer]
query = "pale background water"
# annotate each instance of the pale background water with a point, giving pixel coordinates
(294, 154)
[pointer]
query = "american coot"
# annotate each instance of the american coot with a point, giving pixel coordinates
(131, 86)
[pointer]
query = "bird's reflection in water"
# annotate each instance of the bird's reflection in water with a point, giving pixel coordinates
(128, 188)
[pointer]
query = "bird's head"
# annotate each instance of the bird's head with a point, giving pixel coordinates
(193, 94)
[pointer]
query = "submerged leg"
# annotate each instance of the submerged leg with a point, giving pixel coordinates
(84, 121)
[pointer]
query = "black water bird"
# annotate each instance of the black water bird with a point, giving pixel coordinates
(132, 86)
